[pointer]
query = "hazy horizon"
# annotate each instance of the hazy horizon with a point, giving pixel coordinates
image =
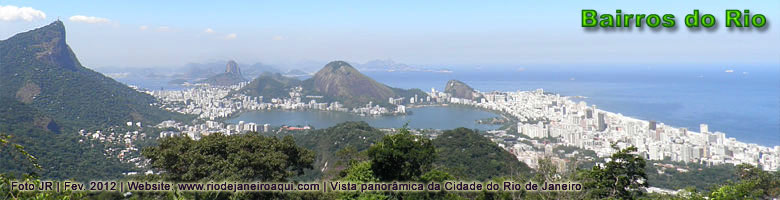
(449, 34)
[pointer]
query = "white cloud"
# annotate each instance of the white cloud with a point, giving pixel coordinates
(278, 37)
(209, 31)
(13, 13)
(163, 29)
(231, 36)
(88, 19)
(143, 28)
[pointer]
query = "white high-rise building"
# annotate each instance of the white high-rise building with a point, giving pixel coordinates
(401, 109)
(534, 130)
(250, 127)
(703, 128)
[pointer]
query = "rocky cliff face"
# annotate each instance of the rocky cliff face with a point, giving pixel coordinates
(459, 89)
(39, 69)
(231, 76)
(232, 68)
(46, 97)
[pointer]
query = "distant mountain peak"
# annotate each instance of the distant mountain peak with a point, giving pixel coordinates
(39, 69)
(48, 44)
(340, 79)
(232, 68)
(231, 76)
(52, 32)
(339, 66)
(55, 27)
(461, 90)
(336, 81)
(46, 97)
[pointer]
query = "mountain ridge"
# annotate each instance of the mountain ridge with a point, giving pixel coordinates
(46, 96)
(40, 69)
(270, 85)
(336, 81)
(340, 80)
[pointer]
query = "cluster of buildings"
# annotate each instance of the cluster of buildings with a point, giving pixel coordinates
(118, 142)
(443, 97)
(172, 128)
(559, 121)
(213, 103)
(562, 121)
(206, 102)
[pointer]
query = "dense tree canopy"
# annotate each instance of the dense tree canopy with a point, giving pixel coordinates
(698, 176)
(57, 150)
(395, 157)
(753, 183)
(401, 157)
(6, 179)
(326, 143)
(469, 155)
(247, 157)
(622, 177)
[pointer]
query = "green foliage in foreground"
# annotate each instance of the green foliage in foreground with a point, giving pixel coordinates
(5, 180)
(57, 150)
(251, 157)
(470, 156)
(753, 183)
(702, 178)
(464, 153)
(218, 157)
(397, 157)
(622, 177)
(348, 138)
(401, 157)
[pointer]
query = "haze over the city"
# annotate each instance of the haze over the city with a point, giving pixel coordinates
(451, 34)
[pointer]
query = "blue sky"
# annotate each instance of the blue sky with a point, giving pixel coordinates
(430, 33)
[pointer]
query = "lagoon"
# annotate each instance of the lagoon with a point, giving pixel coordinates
(433, 117)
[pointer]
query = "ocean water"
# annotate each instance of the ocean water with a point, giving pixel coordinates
(151, 84)
(744, 104)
